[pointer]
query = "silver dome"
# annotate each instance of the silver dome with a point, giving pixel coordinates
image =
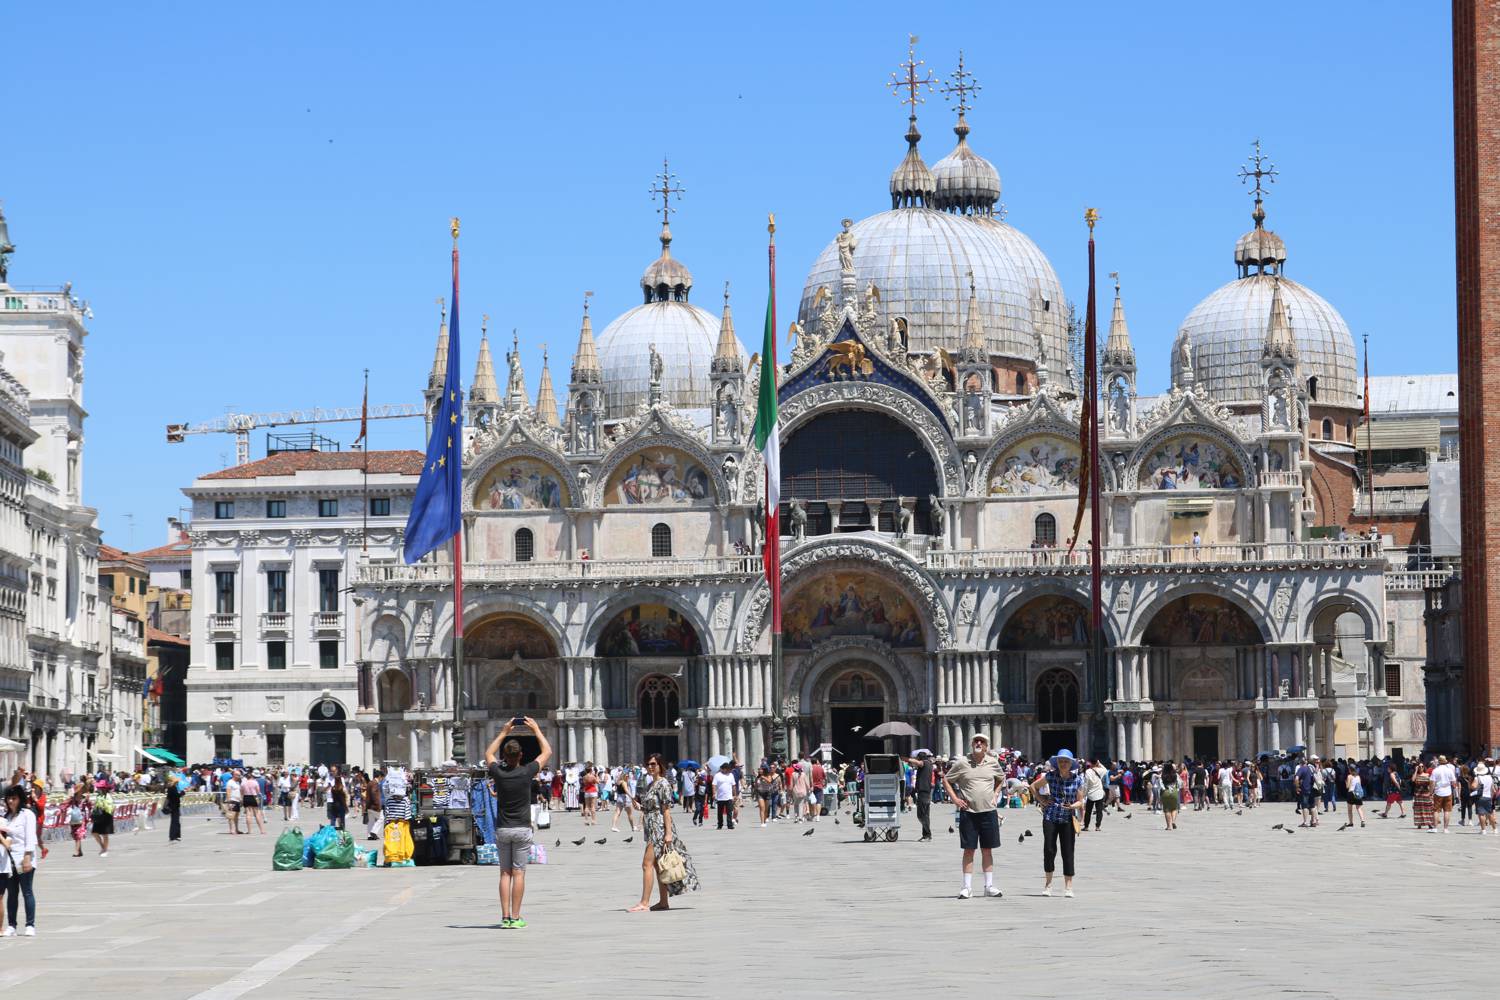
(965, 182)
(1227, 332)
(685, 337)
(919, 259)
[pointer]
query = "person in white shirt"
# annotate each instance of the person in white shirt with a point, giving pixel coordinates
(18, 863)
(724, 794)
(1444, 788)
(1226, 784)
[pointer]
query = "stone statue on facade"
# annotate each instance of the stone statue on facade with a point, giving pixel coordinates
(799, 520)
(656, 366)
(731, 470)
(938, 515)
(903, 521)
(971, 466)
(757, 525)
(847, 243)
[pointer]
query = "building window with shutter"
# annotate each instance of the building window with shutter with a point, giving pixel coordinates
(1045, 530)
(328, 654)
(223, 656)
(1393, 680)
(276, 655)
(224, 587)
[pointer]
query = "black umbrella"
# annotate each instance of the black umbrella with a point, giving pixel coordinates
(888, 729)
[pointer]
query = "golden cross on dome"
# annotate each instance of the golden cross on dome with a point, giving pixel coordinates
(911, 81)
(962, 85)
(1264, 169)
(665, 187)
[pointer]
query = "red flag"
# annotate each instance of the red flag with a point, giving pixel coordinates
(1088, 440)
(364, 412)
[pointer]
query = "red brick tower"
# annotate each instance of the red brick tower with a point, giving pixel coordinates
(1476, 156)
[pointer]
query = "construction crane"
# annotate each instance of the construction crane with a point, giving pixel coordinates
(241, 424)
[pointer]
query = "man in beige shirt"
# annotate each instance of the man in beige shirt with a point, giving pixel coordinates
(971, 783)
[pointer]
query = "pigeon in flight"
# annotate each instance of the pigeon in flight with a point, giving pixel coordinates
(855, 729)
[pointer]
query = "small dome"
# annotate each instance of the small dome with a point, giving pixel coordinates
(1227, 332)
(966, 182)
(911, 181)
(666, 279)
(686, 338)
(919, 259)
(1259, 250)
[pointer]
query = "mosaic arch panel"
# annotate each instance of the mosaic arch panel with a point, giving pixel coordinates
(657, 477)
(1050, 622)
(648, 630)
(1045, 463)
(521, 484)
(850, 603)
(517, 690)
(1191, 462)
(505, 637)
(1201, 620)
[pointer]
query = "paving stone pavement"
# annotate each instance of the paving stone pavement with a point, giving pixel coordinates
(1224, 906)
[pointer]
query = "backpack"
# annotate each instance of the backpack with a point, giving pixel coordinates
(1317, 779)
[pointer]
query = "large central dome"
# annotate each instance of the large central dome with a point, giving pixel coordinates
(920, 258)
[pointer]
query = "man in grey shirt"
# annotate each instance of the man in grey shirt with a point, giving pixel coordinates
(513, 814)
(971, 782)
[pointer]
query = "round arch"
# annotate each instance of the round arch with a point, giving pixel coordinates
(327, 731)
(1058, 594)
(504, 635)
(833, 396)
(393, 691)
(530, 457)
(657, 437)
(519, 689)
(1203, 438)
(1202, 619)
(1228, 591)
(671, 626)
(853, 454)
(1328, 608)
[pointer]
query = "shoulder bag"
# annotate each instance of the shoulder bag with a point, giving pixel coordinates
(670, 867)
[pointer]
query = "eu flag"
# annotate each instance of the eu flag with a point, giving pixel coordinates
(436, 511)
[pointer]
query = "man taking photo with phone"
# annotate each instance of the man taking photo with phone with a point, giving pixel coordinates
(513, 813)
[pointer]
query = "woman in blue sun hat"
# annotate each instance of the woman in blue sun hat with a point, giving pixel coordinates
(1060, 793)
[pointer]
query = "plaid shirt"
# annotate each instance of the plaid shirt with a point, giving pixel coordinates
(1064, 791)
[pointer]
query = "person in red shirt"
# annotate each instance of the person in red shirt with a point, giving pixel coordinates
(819, 776)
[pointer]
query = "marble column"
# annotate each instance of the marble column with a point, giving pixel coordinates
(1377, 731)
(1148, 744)
(1275, 734)
(1298, 736)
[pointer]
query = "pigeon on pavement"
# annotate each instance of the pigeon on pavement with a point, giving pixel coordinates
(602, 840)
(809, 833)
(629, 839)
(579, 841)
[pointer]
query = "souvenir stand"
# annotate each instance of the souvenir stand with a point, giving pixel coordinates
(453, 813)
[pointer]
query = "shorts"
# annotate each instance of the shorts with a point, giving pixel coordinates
(1483, 806)
(979, 830)
(252, 801)
(514, 843)
(1392, 798)
(1356, 800)
(1307, 801)
(234, 807)
(104, 823)
(1442, 803)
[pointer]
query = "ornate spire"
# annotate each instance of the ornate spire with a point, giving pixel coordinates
(666, 280)
(6, 247)
(1281, 343)
(440, 359)
(911, 183)
(586, 366)
(484, 389)
(727, 354)
(546, 399)
(515, 385)
(963, 181)
(1118, 350)
(976, 349)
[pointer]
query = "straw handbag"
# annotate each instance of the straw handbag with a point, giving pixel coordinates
(670, 867)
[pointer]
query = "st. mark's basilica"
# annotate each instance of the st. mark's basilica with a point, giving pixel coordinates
(929, 415)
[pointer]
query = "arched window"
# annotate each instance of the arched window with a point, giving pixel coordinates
(1348, 430)
(661, 541)
(1057, 698)
(658, 704)
(524, 545)
(1020, 383)
(1046, 529)
(1312, 387)
(515, 692)
(1327, 429)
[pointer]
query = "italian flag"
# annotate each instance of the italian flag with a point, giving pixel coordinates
(768, 440)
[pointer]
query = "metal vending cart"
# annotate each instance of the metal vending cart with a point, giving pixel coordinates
(882, 797)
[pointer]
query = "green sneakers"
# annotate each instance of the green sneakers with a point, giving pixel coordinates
(512, 923)
(517, 924)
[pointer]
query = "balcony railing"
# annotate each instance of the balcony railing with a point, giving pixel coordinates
(223, 624)
(1280, 478)
(129, 645)
(1415, 579)
(1404, 500)
(328, 623)
(275, 623)
(1187, 556)
(566, 569)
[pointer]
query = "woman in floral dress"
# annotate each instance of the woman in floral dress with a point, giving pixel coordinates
(656, 808)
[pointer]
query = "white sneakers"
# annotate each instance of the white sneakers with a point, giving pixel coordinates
(993, 891)
(964, 893)
(30, 931)
(103, 854)
(1046, 890)
(1068, 893)
(8, 932)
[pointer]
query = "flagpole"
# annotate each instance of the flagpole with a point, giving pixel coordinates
(779, 743)
(460, 754)
(1099, 738)
(364, 435)
(1369, 443)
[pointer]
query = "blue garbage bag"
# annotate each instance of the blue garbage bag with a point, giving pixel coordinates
(326, 837)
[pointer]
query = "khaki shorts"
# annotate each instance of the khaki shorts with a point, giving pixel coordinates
(514, 843)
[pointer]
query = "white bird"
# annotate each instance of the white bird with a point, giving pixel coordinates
(855, 729)
(678, 723)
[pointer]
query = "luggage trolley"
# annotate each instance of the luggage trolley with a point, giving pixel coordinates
(882, 803)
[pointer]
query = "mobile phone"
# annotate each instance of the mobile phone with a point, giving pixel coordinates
(519, 720)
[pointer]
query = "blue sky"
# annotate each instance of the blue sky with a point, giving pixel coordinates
(254, 198)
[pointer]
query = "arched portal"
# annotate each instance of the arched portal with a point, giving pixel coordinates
(393, 691)
(1057, 697)
(856, 701)
(853, 467)
(659, 713)
(325, 730)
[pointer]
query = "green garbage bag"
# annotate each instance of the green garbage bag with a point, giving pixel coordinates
(339, 853)
(287, 855)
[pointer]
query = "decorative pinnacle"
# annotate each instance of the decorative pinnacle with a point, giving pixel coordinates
(484, 324)
(1116, 276)
(664, 187)
(1091, 216)
(1264, 170)
(726, 293)
(453, 227)
(963, 86)
(442, 305)
(972, 292)
(586, 297)
(911, 81)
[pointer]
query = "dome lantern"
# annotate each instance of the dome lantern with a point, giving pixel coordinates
(911, 182)
(965, 183)
(1260, 251)
(666, 279)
